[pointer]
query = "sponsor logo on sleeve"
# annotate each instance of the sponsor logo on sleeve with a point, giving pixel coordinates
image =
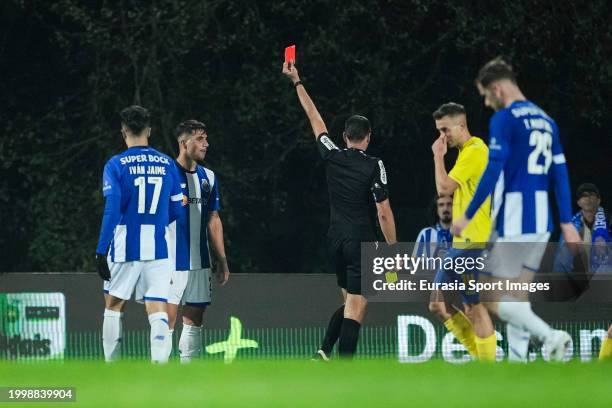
(383, 173)
(328, 143)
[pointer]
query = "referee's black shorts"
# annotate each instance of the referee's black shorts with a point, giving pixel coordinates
(346, 260)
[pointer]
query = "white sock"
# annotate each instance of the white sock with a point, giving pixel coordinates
(518, 343)
(112, 332)
(520, 314)
(159, 337)
(190, 344)
(169, 343)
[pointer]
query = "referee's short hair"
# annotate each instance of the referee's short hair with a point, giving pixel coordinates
(135, 118)
(189, 126)
(495, 70)
(356, 128)
(451, 109)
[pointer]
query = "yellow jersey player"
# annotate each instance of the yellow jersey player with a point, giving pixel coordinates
(475, 331)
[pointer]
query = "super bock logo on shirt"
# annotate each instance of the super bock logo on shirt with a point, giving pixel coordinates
(205, 191)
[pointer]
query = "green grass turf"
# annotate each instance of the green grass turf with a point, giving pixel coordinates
(292, 383)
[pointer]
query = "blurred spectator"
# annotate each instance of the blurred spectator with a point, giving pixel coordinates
(593, 224)
(436, 239)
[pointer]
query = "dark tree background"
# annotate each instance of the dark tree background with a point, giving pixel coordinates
(67, 67)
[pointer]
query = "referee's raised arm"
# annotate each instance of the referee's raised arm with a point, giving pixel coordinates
(318, 126)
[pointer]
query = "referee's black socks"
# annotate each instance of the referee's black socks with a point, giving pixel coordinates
(333, 331)
(349, 335)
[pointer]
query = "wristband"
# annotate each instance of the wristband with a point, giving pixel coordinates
(296, 84)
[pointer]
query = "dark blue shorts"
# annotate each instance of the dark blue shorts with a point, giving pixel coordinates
(461, 273)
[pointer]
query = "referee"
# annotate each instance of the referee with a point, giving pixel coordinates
(353, 178)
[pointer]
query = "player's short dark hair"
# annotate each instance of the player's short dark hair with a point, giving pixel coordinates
(495, 70)
(356, 128)
(449, 109)
(135, 118)
(189, 126)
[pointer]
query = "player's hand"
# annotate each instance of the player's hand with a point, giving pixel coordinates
(439, 147)
(102, 267)
(291, 71)
(459, 226)
(571, 237)
(222, 272)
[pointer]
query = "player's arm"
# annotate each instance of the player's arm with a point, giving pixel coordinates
(175, 208)
(499, 150)
(383, 206)
(176, 197)
(560, 178)
(215, 233)
(444, 184)
(386, 221)
(112, 214)
(316, 122)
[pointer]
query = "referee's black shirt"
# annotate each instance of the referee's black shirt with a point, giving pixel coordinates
(354, 180)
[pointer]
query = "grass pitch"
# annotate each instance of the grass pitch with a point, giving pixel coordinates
(293, 383)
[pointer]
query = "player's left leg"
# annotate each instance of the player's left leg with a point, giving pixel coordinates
(190, 343)
(355, 306)
(333, 332)
(112, 327)
(118, 290)
(518, 343)
(154, 284)
(453, 319)
(172, 310)
(485, 338)
(335, 322)
(178, 283)
(605, 353)
(354, 312)
(520, 314)
(158, 319)
(197, 297)
(517, 261)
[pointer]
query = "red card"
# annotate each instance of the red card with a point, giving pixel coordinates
(290, 54)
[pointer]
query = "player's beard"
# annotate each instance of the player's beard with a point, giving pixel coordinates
(198, 156)
(446, 218)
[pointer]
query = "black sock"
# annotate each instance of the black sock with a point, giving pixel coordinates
(349, 336)
(333, 331)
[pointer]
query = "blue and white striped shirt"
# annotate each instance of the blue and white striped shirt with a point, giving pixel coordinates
(189, 234)
(525, 155)
(142, 196)
(431, 241)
